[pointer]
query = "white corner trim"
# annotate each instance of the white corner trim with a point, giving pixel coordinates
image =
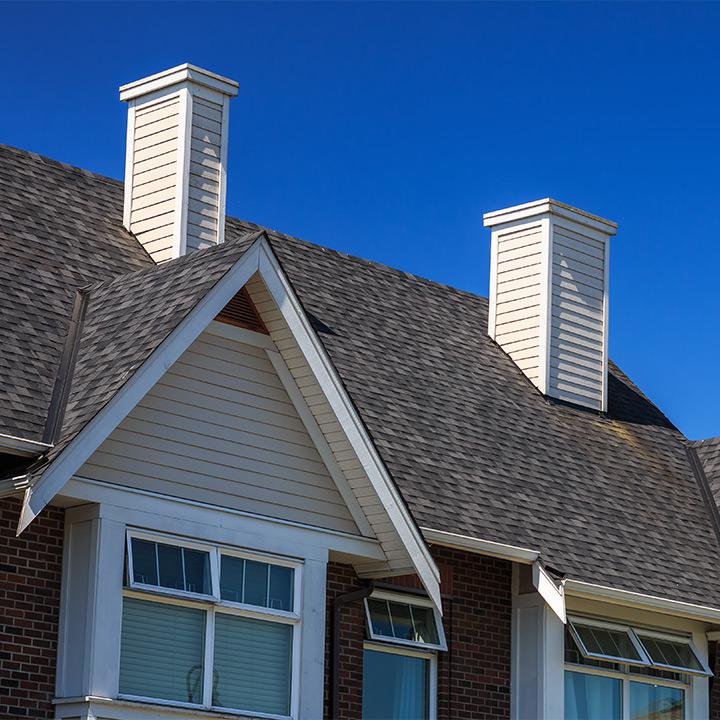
(481, 547)
(21, 446)
(578, 588)
(109, 417)
(316, 435)
(553, 595)
(338, 399)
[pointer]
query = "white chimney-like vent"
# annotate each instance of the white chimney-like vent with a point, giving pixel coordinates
(549, 297)
(176, 159)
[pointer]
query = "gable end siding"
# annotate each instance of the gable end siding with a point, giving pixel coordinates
(220, 428)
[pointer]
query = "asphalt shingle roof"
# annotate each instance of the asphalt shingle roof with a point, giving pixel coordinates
(471, 444)
(709, 453)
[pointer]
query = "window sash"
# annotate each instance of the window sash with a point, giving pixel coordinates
(412, 601)
(635, 636)
(213, 605)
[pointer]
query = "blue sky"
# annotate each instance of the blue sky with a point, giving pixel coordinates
(386, 130)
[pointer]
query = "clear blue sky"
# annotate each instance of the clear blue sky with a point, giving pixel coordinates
(386, 130)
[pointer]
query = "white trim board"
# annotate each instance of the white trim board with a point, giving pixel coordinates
(22, 446)
(480, 546)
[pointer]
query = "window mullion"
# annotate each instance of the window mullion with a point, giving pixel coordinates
(208, 659)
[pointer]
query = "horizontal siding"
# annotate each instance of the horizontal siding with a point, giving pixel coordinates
(220, 428)
(205, 159)
(518, 291)
(154, 176)
(577, 327)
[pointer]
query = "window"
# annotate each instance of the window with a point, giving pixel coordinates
(616, 672)
(208, 627)
(399, 665)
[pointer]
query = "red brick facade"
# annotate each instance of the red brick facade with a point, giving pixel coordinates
(30, 572)
(474, 674)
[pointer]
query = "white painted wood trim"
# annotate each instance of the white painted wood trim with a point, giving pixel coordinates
(553, 595)
(546, 251)
(147, 502)
(578, 588)
(606, 329)
(182, 182)
(480, 546)
(492, 309)
(290, 308)
(316, 435)
(109, 417)
(224, 134)
(21, 446)
(243, 335)
(129, 153)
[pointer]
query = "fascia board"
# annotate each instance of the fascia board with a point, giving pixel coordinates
(590, 591)
(321, 365)
(52, 480)
(480, 546)
(21, 446)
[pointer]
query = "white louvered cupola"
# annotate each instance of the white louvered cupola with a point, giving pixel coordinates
(549, 297)
(176, 159)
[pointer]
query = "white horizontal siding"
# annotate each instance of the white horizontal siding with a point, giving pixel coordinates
(577, 325)
(205, 159)
(518, 292)
(154, 176)
(220, 428)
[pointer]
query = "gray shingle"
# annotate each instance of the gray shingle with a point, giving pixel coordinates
(471, 444)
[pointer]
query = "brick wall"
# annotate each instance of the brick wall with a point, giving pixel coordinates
(30, 569)
(474, 674)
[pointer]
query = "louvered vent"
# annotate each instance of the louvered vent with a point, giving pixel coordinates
(241, 312)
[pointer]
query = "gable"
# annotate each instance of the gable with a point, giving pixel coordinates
(220, 428)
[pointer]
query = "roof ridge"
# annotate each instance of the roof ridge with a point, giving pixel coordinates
(715, 440)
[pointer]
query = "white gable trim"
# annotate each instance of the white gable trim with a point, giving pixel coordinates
(258, 258)
(38, 495)
(338, 399)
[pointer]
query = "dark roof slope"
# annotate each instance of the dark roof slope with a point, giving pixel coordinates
(709, 453)
(60, 228)
(472, 446)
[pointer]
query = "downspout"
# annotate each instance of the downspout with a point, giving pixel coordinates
(338, 603)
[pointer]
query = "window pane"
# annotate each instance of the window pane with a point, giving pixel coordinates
(380, 617)
(144, 562)
(256, 583)
(592, 697)
(197, 571)
(281, 588)
(395, 687)
(603, 641)
(171, 567)
(655, 702)
(252, 664)
(402, 621)
(162, 651)
(667, 652)
(425, 628)
(232, 572)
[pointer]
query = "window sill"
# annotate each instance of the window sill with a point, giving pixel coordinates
(121, 709)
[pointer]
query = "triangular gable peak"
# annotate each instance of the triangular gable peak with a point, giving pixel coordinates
(316, 392)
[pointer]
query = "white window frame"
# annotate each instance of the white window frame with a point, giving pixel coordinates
(428, 655)
(634, 633)
(628, 677)
(405, 599)
(643, 660)
(213, 604)
(706, 671)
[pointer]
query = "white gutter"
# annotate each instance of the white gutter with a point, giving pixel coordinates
(20, 446)
(482, 547)
(578, 588)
